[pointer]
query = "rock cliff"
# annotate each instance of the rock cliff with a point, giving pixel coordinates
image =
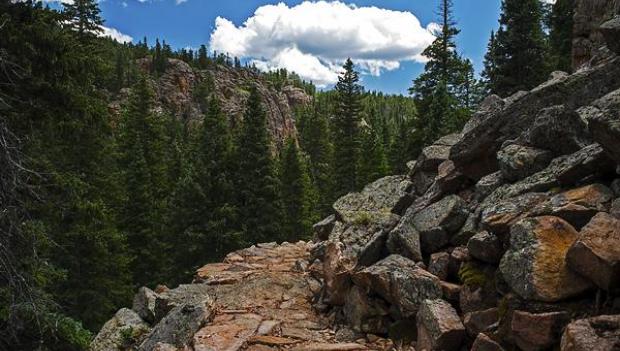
(505, 236)
(175, 93)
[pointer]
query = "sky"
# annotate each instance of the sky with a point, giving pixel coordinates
(313, 38)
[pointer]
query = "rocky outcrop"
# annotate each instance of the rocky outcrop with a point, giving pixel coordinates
(177, 87)
(587, 39)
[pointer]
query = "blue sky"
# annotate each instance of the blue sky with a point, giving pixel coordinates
(192, 22)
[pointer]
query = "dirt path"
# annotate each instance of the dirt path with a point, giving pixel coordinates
(263, 301)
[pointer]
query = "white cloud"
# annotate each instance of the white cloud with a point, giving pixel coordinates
(115, 34)
(314, 38)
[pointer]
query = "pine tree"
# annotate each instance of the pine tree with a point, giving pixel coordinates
(297, 196)
(147, 185)
(374, 164)
(521, 61)
(203, 213)
(491, 60)
(315, 141)
(447, 73)
(560, 35)
(346, 131)
(84, 16)
(257, 184)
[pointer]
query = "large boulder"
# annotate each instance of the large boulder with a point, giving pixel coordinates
(378, 202)
(400, 282)
(404, 239)
(611, 33)
(498, 217)
(538, 331)
(437, 222)
(596, 253)
(118, 332)
(144, 304)
(475, 152)
(587, 38)
(558, 129)
(439, 327)
(518, 161)
(534, 265)
(600, 333)
(603, 118)
(577, 206)
(427, 166)
(179, 325)
(485, 247)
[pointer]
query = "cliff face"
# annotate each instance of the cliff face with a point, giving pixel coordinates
(587, 39)
(505, 236)
(175, 93)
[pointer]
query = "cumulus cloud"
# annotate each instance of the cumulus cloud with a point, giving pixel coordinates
(315, 38)
(115, 34)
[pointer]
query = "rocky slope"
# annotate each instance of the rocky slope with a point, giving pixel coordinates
(505, 236)
(175, 91)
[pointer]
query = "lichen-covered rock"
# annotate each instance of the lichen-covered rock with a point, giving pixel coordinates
(439, 327)
(538, 331)
(485, 343)
(366, 314)
(123, 329)
(600, 333)
(400, 282)
(603, 118)
(576, 206)
(179, 325)
(144, 304)
(517, 161)
(479, 321)
(596, 253)
(587, 38)
(439, 265)
(559, 130)
(485, 247)
(378, 202)
(534, 265)
(323, 228)
(611, 33)
(498, 217)
(404, 239)
(437, 222)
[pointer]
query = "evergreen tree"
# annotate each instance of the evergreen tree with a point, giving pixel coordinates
(561, 34)
(447, 73)
(203, 213)
(315, 141)
(84, 16)
(257, 184)
(374, 164)
(297, 195)
(521, 61)
(147, 185)
(346, 131)
(491, 60)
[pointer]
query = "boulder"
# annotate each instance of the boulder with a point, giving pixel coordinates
(451, 292)
(432, 156)
(439, 327)
(119, 331)
(479, 321)
(378, 202)
(596, 253)
(144, 304)
(611, 33)
(533, 332)
(323, 228)
(400, 282)
(498, 217)
(404, 239)
(439, 265)
(182, 295)
(485, 343)
(559, 130)
(437, 222)
(485, 247)
(600, 333)
(577, 206)
(179, 325)
(474, 154)
(587, 39)
(534, 265)
(488, 184)
(366, 314)
(517, 161)
(336, 271)
(603, 119)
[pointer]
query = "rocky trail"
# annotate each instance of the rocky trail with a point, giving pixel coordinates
(258, 299)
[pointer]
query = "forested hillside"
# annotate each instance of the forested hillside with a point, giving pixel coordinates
(129, 165)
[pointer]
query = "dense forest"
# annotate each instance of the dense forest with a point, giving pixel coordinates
(95, 204)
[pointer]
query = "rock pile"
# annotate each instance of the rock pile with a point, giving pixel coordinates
(505, 236)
